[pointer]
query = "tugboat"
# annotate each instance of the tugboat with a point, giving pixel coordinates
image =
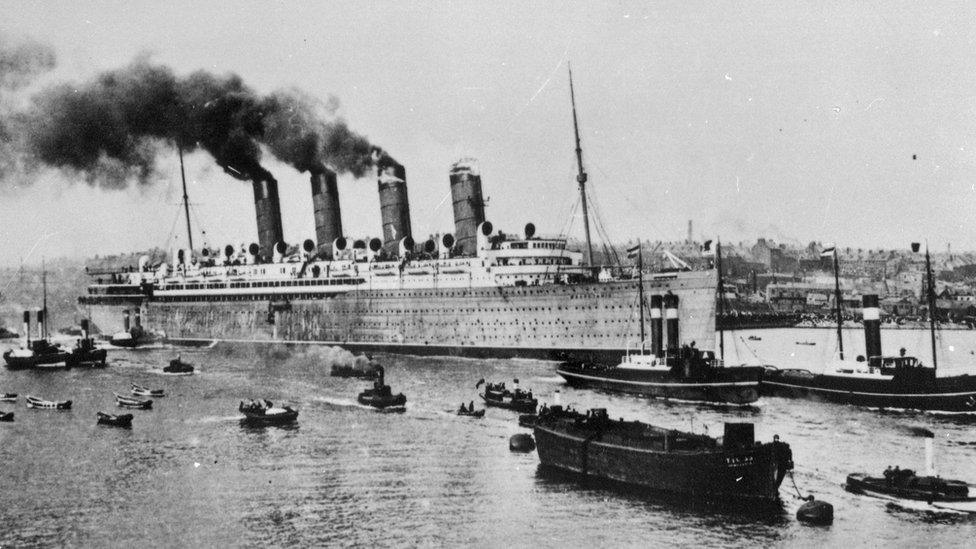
(178, 367)
(903, 484)
(878, 381)
(665, 460)
(133, 334)
(264, 412)
(381, 396)
(39, 353)
(684, 372)
(85, 353)
(496, 395)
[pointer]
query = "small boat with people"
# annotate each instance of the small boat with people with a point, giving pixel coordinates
(264, 412)
(140, 390)
(469, 411)
(717, 470)
(120, 420)
(8, 397)
(123, 401)
(6, 416)
(34, 402)
(381, 396)
(178, 367)
(498, 396)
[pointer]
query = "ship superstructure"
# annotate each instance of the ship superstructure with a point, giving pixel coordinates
(484, 294)
(473, 292)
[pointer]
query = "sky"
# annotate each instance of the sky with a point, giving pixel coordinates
(848, 123)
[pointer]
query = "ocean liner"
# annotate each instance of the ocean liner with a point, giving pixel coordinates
(477, 292)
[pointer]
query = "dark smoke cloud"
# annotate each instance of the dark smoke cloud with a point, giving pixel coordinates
(22, 61)
(111, 129)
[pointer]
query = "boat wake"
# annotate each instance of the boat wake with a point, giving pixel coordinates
(348, 403)
(548, 379)
(214, 419)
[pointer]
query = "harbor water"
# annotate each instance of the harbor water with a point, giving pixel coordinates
(189, 474)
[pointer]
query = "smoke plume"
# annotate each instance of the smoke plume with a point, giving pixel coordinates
(111, 129)
(21, 62)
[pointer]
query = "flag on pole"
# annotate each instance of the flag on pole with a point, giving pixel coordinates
(827, 252)
(633, 252)
(706, 249)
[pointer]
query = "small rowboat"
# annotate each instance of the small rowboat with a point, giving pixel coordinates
(469, 413)
(34, 402)
(129, 402)
(8, 397)
(6, 416)
(139, 390)
(121, 420)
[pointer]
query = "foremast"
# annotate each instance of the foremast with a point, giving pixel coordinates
(581, 174)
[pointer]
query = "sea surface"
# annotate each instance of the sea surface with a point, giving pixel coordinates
(189, 474)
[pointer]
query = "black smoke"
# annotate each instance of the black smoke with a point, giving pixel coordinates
(21, 62)
(112, 128)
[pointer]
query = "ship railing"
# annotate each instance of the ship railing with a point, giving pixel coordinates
(640, 346)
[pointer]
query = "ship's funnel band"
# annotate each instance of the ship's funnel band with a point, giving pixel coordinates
(872, 325)
(267, 209)
(655, 313)
(469, 205)
(325, 206)
(672, 314)
(394, 206)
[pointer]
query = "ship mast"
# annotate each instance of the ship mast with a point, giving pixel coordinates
(931, 300)
(640, 289)
(581, 175)
(186, 199)
(721, 301)
(840, 336)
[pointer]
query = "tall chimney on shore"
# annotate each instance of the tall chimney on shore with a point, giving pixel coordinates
(268, 211)
(469, 206)
(325, 204)
(872, 326)
(394, 207)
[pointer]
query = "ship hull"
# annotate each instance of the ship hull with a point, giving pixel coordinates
(944, 394)
(723, 385)
(716, 476)
(591, 322)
